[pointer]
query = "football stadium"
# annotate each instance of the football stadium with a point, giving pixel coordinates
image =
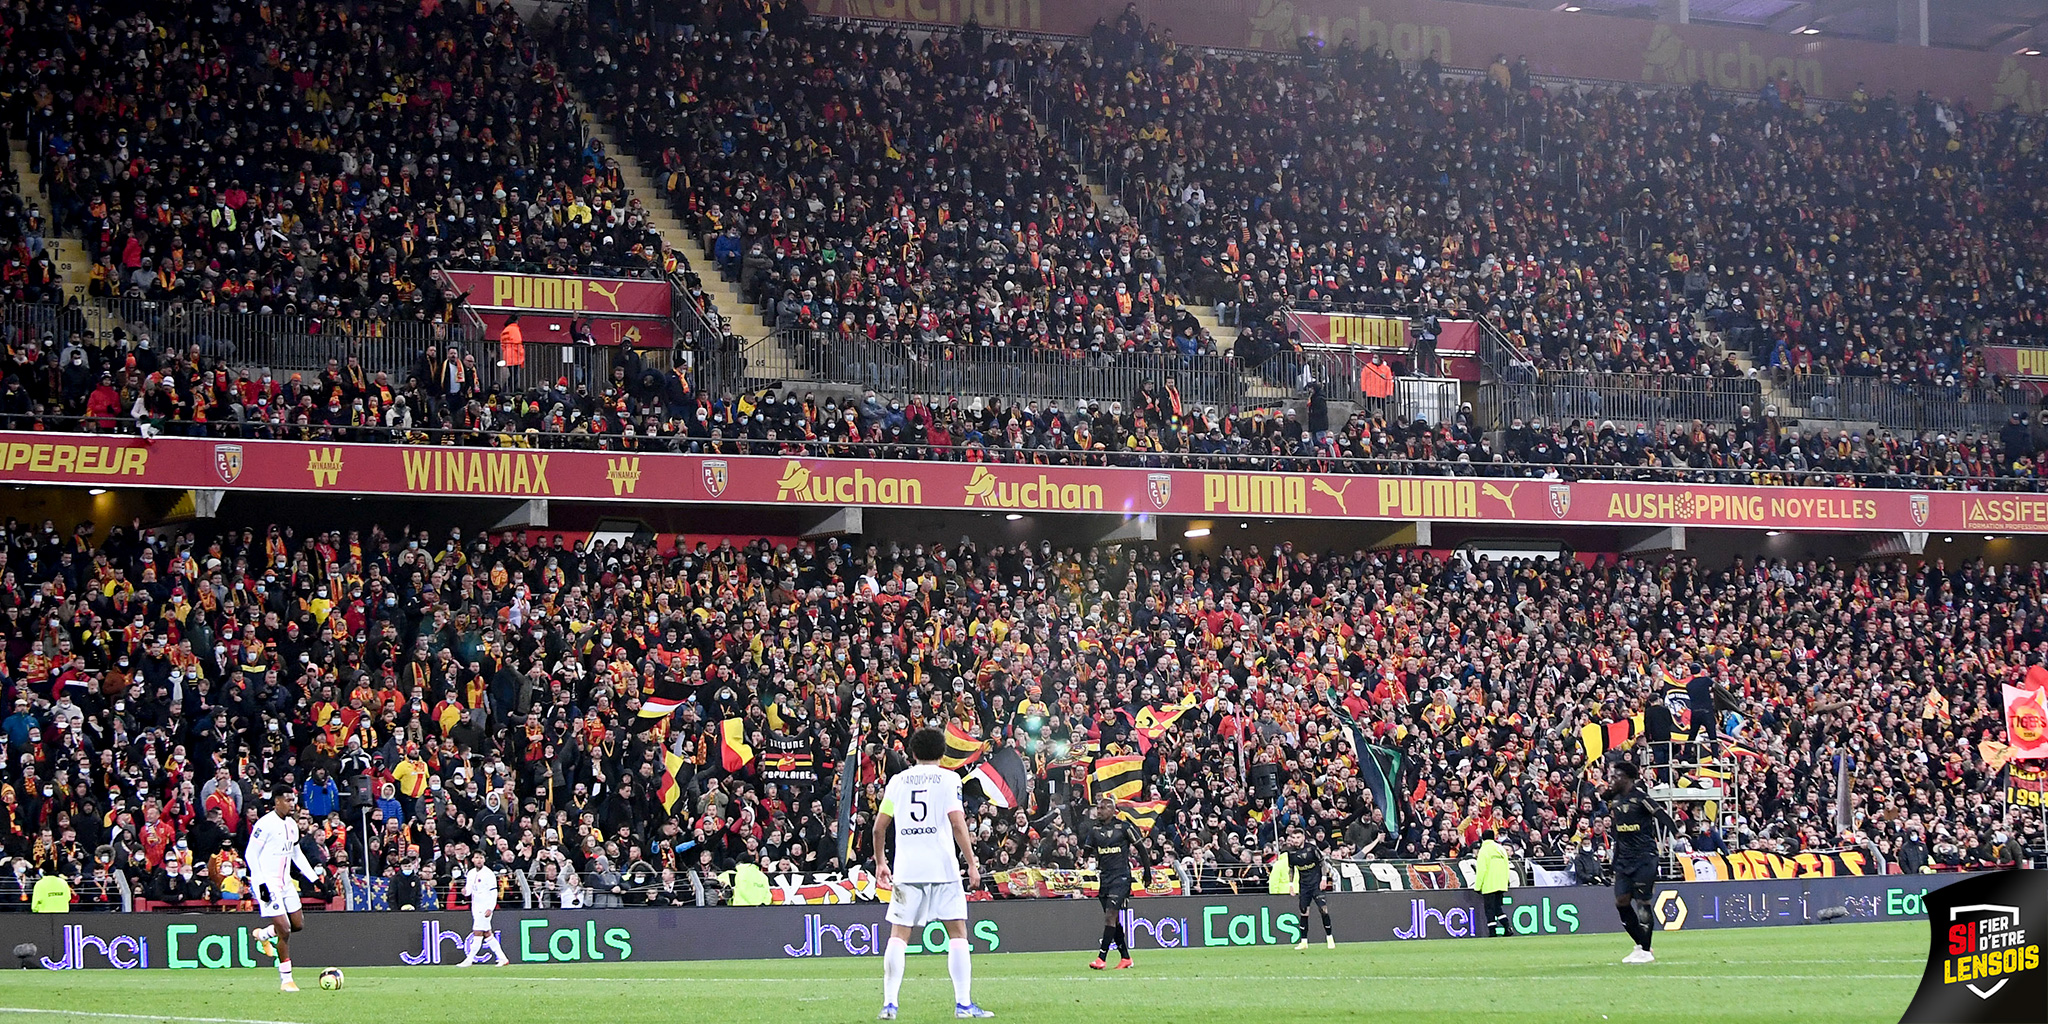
(1055, 510)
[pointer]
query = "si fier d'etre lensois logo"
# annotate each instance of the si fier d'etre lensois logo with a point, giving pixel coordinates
(1984, 954)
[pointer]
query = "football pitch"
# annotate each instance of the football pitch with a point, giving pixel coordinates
(1860, 972)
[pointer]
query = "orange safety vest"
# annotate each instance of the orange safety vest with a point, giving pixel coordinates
(512, 345)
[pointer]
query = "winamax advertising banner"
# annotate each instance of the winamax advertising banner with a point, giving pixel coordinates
(1556, 42)
(222, 942)
(761, 480)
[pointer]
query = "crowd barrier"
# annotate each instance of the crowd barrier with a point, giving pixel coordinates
(392, 939)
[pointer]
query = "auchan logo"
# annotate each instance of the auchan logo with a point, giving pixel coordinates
(984, 489)
(800, 483)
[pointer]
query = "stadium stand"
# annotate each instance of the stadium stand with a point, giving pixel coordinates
(308, 159)
(481, 691)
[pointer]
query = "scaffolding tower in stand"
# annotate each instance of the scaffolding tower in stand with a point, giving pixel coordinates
(1691, 773)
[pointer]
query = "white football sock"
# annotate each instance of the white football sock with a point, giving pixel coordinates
(963, 974)
(284, 969)
(892, 970)
(491, 939)
(265, 932)
(470, 950)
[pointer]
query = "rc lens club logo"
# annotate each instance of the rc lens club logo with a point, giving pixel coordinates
(1984, 955)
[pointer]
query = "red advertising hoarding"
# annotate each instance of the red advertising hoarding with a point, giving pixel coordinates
(591, 296)
(2014, 361)
(85, 460)
(1575, 45)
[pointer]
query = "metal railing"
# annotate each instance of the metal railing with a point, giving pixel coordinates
(1847, 401)
(1001, 373)
(1558, 396)
(284, 344)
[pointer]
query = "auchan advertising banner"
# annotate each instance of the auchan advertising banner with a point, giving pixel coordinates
(1577, 45)
(85, 460)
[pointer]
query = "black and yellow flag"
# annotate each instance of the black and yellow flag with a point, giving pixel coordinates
(1600, 737)
(1142, 813)
(962, 747)
(1121, 778)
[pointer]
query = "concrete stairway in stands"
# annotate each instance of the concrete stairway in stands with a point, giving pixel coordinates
(767, 358)
(74, 266)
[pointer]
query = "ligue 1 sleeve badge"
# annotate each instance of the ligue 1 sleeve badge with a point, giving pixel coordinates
(1984, 955)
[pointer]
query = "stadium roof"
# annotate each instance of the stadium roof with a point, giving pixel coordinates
(2002, 26)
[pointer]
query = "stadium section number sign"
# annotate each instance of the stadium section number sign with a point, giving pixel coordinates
(222, 942)
(183, 462)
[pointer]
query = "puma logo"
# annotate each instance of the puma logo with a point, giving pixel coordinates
(1336, 494)
(1507, 499)
(611, 294)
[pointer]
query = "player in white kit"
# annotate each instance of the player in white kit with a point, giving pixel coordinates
(921, 810)
(481, 886)
(273, 850)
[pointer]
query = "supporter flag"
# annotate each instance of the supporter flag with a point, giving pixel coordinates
(732, 744)
(962, 748)
(670, 789)
(2026, 721)
(1001, 775)
(1152, 721)
(1378, 767)
(1600, 737)
(669, 694)
(1121, 777)
(1142, 813)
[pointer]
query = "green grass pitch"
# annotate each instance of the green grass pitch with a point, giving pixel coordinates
(1862, 972)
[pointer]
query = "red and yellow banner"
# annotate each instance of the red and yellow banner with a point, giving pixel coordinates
(1056, 883)
(1753, 865)
(1349, 330)
(1557, 42)
(549, 328)
(2013, 361)
(177, 462)
(595, 296)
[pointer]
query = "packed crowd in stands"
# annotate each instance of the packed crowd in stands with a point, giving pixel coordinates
(876, 187)
(429, 692)
(1606, 229)
(49, 384)
(310, 158)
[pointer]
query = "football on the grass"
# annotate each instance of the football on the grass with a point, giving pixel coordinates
(330, 979)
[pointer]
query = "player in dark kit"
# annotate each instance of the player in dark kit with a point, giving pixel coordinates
(1307, 862)
(1636, 823)
(1113, 842)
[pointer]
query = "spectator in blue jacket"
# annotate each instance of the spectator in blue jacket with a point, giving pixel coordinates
(319, 795)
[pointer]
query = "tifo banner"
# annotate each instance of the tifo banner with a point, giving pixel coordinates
(1577, 45)
(1061, 882)
(595, 296)
(1984, 952)
(789, 759)
(1349, 330)
(1750, 865)
(558, 937)
(2012, 361)
(829, 887)
(82, 460)
(1377, 875)
(2026, 785)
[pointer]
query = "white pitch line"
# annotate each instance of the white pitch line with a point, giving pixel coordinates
(1182, 978)
(135, 1016)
